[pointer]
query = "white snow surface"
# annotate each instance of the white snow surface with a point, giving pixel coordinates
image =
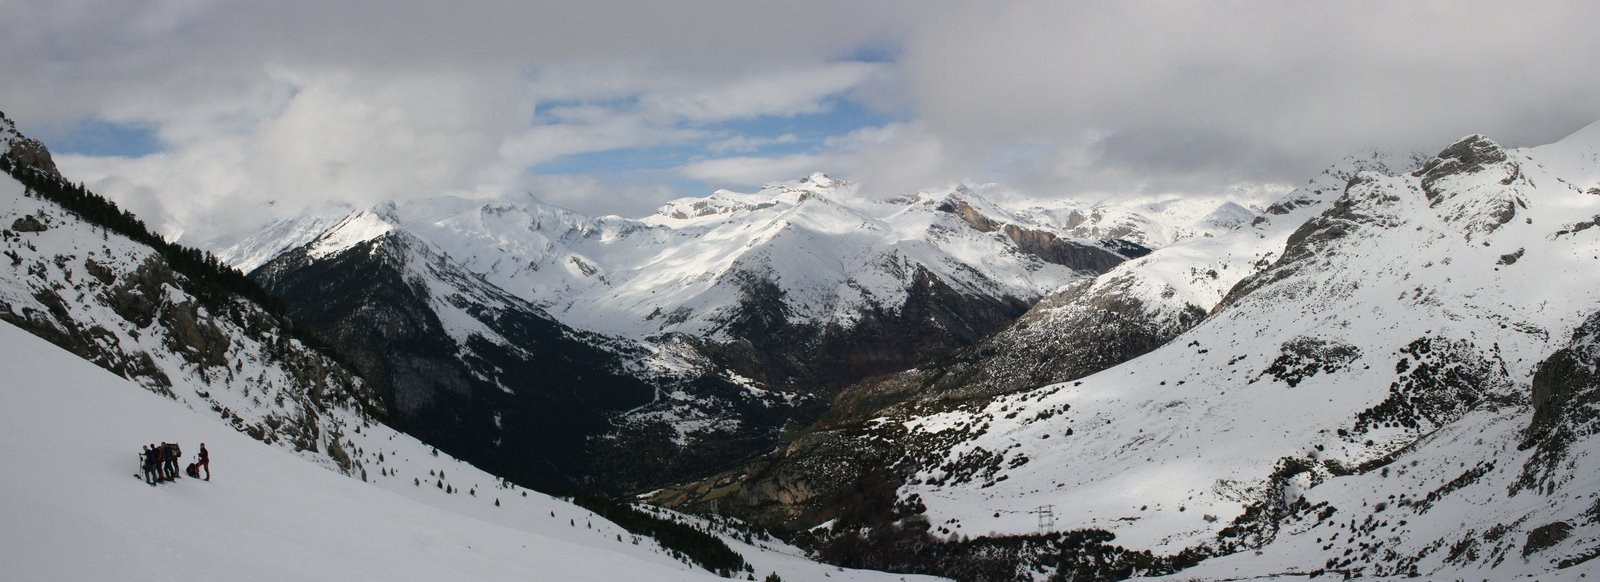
(78, 512)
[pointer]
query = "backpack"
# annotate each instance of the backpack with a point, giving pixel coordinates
(193, 470)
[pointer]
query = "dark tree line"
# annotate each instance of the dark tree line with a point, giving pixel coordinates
(699, 546)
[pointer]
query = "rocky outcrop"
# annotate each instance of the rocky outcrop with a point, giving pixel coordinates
(1474, 183)
(1470, 155)
(1566, 407)
(24, 151)
(28, 224)
(778, 350)
(1049, 247)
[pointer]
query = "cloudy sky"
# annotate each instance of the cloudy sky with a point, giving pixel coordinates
(194, 113)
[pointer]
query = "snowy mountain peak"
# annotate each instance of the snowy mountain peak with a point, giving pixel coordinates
(1330, 184)
(1468, 155)
(1475, 184)
(815, 186)
(822, 180)
(355, 229)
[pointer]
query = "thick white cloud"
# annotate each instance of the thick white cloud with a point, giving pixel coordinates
(1178, 90)
(751, 170)
(304, 101)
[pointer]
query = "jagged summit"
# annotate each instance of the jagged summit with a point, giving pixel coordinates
(727, 203)
(1468, 155)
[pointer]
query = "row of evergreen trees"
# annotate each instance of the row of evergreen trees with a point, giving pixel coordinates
(699, 546)
(212, 280)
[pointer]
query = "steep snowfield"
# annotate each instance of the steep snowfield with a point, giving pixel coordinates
(1415, 303)
(1195, 272)
(76, 514)
(1576, 158)
(75, 511)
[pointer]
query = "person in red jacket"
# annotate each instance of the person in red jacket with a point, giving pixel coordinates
(205, 460)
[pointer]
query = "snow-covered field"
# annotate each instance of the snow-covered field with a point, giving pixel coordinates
(74, 510)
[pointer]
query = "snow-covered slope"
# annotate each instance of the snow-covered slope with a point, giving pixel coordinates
(1085, 327)
(1408, 307)
(1396, 332)
(1089, 325)
(1576, 158)
(77, 512)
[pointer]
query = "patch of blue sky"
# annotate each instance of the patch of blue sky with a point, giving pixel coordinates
(555, 111)
(620, 161)
(839, 117)
(772, 135)
(100, 138)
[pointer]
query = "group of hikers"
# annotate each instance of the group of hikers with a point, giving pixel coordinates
(161, 463)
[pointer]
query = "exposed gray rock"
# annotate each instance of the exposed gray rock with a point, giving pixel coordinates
(1566, 407)
(28, 224)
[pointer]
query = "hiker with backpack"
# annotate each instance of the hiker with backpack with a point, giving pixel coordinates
(159, 453)
(171, 453)
(150, 462)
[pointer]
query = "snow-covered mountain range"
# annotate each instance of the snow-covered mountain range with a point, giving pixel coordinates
(1385, 353)
(832, 253)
